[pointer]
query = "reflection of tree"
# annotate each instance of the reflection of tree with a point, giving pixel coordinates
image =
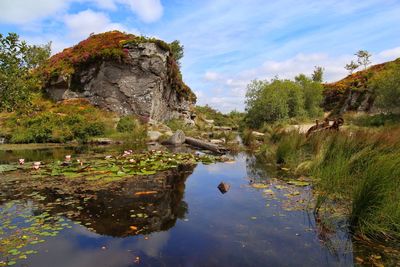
(258, 168)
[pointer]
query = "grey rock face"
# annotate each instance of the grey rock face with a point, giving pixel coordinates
(139, 85)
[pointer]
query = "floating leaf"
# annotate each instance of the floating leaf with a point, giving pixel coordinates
(259, 185)
(298, 183)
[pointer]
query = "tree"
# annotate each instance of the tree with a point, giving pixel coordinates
(363, 57)
(351, 67)
(318, 74)
(386, 86)
(313, 97)
(272, 101)
(177, 50)
(17, 60)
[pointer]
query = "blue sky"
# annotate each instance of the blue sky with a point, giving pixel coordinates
(227, 43)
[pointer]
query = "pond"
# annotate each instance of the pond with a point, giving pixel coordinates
(179, 218)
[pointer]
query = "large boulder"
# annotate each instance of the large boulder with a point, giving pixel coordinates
(154, 135)
(177, 139)
(121, 73)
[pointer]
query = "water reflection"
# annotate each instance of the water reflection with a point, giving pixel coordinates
(187, 222)
(134, 206)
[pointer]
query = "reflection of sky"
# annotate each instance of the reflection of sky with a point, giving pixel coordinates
(218, 231)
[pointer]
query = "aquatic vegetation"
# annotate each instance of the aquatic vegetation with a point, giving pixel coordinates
(113, 168)
(23, 229)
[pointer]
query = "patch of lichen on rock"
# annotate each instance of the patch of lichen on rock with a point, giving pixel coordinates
(112, 45)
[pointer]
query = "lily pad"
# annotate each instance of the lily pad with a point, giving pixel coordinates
(298, 183)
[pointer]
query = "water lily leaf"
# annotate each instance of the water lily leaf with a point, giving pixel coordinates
(259, 185)
(298, 183)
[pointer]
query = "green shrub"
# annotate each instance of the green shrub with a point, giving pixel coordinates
(127, 124)
(377, 120)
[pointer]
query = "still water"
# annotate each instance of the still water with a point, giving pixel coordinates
(188, 222)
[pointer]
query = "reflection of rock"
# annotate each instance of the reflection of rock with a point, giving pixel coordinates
(149, 203)
(153, 212)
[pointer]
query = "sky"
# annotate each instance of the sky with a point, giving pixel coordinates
(227, 44)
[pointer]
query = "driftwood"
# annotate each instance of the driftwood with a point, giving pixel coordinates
(205, 145)
(325, 126)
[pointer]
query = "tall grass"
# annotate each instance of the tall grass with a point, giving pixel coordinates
(361, 167)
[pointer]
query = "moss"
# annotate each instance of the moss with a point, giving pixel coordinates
(108, 46)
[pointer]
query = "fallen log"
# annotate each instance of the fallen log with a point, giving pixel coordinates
(205, 145)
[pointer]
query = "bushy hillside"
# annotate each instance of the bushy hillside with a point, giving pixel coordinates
(353, 92)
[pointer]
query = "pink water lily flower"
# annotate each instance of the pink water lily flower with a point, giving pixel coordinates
(68, 157)
(36, 165)
(21, 161)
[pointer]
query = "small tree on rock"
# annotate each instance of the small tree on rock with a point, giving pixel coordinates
(363, 58)
(177, 50)
(351, 67)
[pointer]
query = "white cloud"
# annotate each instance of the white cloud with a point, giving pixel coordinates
(211, 76)
(23, 11)
(389, 54)
(147, 10)
(84, 23)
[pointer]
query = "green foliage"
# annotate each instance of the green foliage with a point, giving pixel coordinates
(57, 123)
(377, 120)
(288, 148)
(362, 168)
(127, 124)
(176, 50)
(363, 58)
(248, 138)
(276, 100)
(17, 59)
(386, 86)
(351, 67)
(176, 124)
(313, 97)
(318, 74)
(232, 119)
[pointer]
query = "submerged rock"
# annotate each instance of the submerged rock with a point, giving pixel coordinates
(224, 187)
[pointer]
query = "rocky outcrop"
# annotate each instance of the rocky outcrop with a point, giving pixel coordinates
(353, 93)
(143, 80)
(349, 100)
